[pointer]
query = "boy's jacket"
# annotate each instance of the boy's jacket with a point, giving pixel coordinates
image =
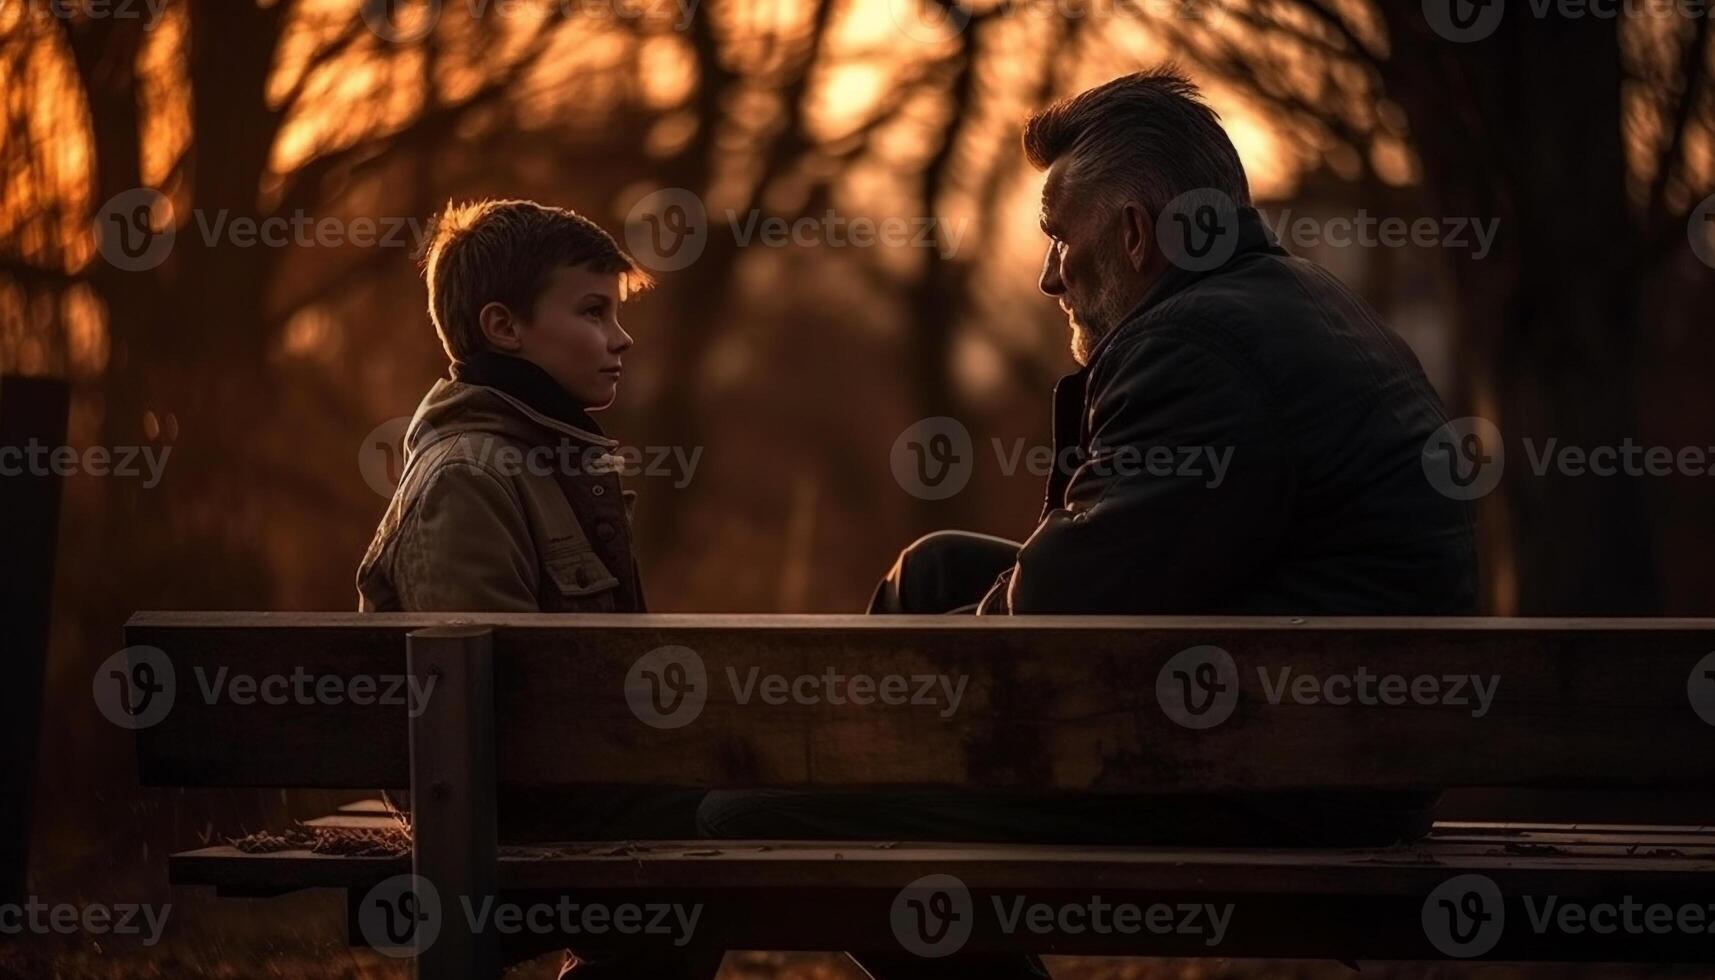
(501, 508)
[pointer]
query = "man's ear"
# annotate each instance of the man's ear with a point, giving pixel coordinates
(1137, 235)
(499, 327)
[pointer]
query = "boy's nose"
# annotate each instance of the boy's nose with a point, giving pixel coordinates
(621, 341)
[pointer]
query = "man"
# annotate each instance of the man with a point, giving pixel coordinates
(1303, 418)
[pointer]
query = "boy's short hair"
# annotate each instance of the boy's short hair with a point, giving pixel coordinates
(482, 252)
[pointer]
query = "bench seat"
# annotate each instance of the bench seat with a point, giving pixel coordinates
(1355, 903)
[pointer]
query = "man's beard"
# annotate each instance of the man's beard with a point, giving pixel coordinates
(1096, 319)
(1094, 322)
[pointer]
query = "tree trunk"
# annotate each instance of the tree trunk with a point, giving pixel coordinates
(1525, 127)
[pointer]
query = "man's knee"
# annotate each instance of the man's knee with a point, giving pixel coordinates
(942, 572)
(931, 551)
(734, 814)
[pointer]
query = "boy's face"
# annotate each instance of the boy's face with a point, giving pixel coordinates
(574, 334)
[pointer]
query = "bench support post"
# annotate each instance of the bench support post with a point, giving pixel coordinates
(453, 794)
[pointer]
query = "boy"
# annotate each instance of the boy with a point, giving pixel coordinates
(509, 500)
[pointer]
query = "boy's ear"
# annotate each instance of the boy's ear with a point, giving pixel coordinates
(499, 327)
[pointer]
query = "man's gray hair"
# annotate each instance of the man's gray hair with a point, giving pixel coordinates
(1147, 134)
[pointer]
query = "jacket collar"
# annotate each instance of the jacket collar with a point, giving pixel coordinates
(1254, 237)
(522, 381)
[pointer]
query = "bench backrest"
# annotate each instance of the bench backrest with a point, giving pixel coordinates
(1102, 704)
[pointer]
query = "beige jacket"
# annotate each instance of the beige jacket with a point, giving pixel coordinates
(501, 509)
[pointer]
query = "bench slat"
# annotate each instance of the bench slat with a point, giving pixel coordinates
(1048, 703)
(808, 867)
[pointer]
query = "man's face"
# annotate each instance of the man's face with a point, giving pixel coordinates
(574, 334)
(1084, 268)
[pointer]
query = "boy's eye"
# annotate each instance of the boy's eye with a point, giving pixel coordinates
(595, 309)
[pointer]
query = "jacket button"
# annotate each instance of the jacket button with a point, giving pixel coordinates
(604, 531)
(597, 490)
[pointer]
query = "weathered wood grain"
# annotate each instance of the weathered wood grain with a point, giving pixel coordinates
(1048, 703)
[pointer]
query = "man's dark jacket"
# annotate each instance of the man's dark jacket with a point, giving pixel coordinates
(1322, 416)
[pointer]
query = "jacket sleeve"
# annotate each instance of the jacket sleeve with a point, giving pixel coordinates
(1183, 496)
(466, 547)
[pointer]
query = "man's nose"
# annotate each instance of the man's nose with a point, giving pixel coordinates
(1051, 283)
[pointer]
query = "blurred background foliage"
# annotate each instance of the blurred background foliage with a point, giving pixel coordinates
(1590, 140)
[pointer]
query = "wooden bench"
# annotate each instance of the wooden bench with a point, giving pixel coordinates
(1075, 705)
